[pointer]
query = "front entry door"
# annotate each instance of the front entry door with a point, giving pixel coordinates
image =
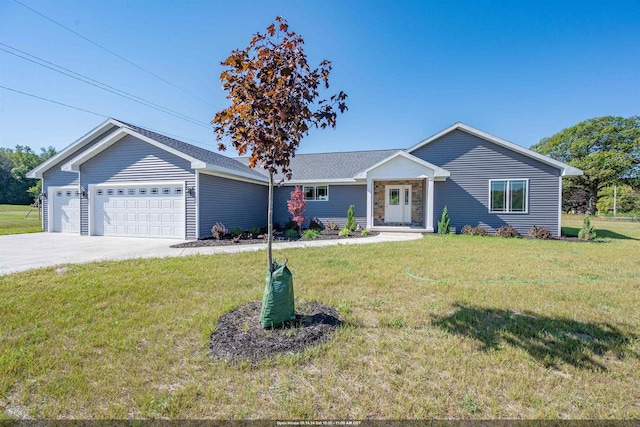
(397, 204)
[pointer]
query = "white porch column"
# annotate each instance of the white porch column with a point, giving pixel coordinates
(429, 207)
(369, 203)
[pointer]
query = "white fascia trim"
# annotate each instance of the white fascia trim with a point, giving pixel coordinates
(566, 169)
(323, 181)
(229, 174)
(197, 190)
(438, 172)
(39, 170)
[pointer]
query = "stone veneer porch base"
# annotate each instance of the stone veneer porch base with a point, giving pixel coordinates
(417, 202)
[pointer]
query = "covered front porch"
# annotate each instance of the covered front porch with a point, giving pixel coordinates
(400, 193)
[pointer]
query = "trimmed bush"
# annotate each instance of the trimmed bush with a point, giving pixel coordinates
(236, 232)
(506, 231)
(444, 225)
(310, 234)
(330, 225)
(344, 232)
(351, 219)
(587, 232)
(539, 232)
(474, 231)
(291, 234)
(365, 232)
(315, 224)
(219, 231)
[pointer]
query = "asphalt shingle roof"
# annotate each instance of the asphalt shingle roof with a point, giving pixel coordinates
(336, 165)
(202, 154)
(316, 166)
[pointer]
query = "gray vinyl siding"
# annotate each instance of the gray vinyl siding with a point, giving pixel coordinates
(133, 160)
(236, 204)
(472, 162)
(54, 177)
(335, 209)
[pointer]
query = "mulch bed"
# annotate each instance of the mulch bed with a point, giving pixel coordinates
(240, 337)
(277, 237)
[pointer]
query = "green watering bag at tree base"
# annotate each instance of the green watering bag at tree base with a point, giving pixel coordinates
(277, 300)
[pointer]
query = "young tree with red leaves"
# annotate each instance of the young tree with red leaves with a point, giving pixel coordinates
(275, 100)
(296, 207)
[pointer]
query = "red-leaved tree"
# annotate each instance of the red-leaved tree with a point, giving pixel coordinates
(275, 100)
(296, 207)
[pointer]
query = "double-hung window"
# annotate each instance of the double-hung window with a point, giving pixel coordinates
(316, 192)
(508, 195)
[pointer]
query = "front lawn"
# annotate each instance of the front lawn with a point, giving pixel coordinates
(13, 221)
(486, 328)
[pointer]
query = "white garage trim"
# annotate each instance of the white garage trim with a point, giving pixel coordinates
(197, 190)
(94, 189)
(51, 204)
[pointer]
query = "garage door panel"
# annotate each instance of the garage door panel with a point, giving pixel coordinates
(65, 211)
(149, 211)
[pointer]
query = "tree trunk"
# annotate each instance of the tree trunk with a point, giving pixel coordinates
(592, 200)
(270, 224)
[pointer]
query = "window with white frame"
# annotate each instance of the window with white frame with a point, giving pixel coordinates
(316, 192)
(508, 195)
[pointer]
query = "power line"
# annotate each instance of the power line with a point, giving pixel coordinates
(113, 53)
(103, 86)
(202, 144)
(51, 100)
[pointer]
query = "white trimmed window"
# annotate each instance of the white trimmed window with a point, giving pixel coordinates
(316, 192)
(508, 195)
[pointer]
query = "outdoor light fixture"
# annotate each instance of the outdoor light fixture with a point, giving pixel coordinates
(43, 195)
(191, 192)
(83, 193)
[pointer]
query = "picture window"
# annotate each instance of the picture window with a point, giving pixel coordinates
(508, 195)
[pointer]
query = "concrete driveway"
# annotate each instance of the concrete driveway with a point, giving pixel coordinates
(19, 252)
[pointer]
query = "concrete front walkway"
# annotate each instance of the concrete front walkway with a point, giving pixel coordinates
(19, 252)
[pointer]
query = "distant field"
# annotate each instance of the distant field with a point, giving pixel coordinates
(12, 220)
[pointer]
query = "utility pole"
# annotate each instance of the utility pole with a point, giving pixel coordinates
(615, 197)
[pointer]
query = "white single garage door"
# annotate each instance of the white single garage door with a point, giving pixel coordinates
(64, 208)
(134, 210)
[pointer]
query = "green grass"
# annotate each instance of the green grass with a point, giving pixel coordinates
(494, 328)
(13, 221)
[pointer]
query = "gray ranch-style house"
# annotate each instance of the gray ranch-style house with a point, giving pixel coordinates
(123, 180)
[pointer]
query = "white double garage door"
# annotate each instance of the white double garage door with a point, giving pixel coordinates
(123, 209)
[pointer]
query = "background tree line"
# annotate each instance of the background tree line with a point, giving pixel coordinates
(607, 149)
(15, 188)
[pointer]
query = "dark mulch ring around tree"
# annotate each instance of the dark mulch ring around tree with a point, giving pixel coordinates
(239, 336)
(277, 237)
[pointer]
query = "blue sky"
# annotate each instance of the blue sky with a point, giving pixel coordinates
(518, 70)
